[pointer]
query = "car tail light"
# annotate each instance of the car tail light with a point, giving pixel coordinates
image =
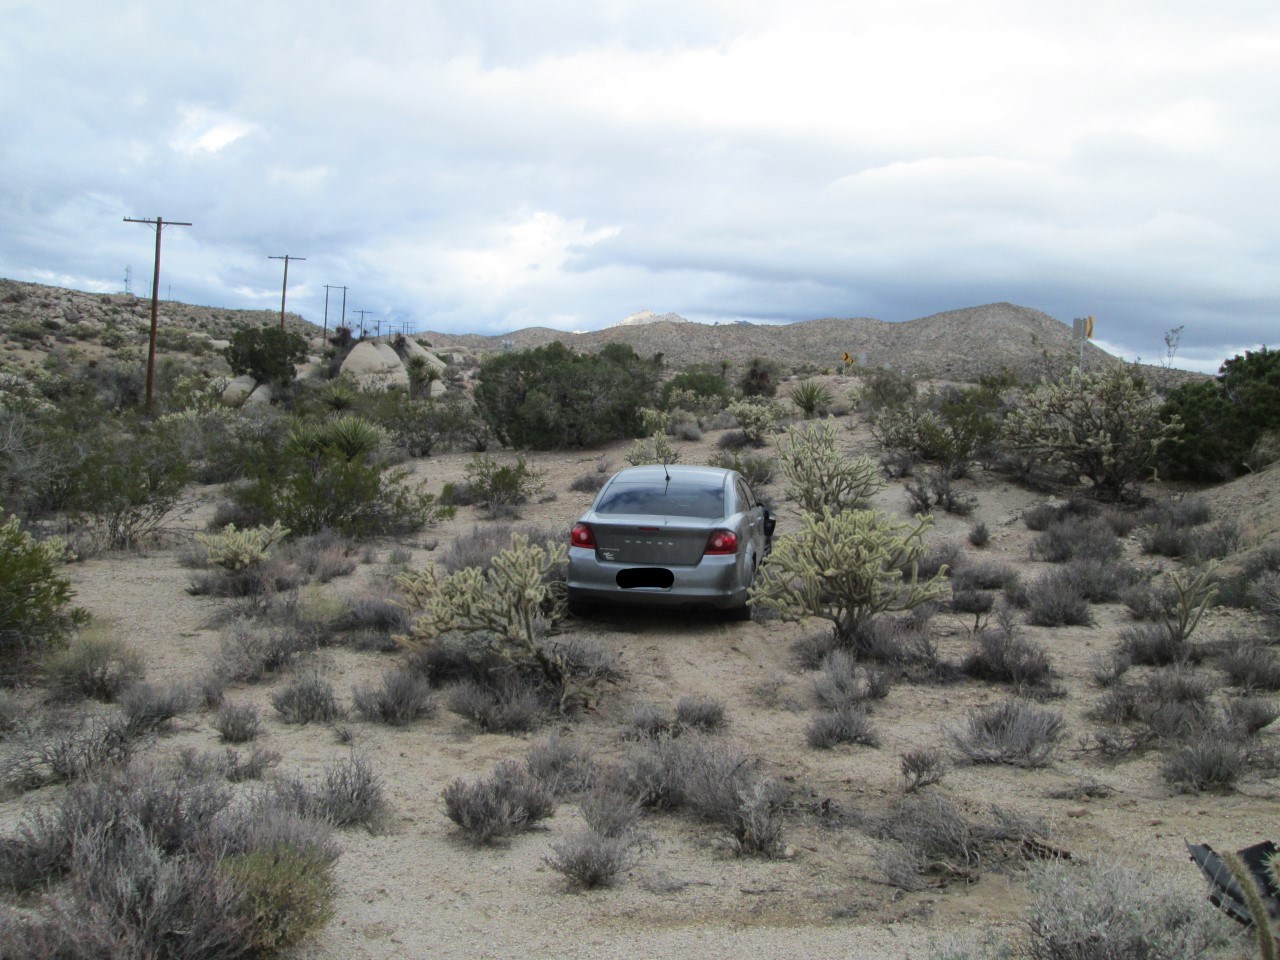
(582, 536)
(721, 543)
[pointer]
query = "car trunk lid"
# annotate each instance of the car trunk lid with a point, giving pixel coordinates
(640, 540)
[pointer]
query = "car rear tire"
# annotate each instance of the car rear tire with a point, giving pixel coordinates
(738, 614)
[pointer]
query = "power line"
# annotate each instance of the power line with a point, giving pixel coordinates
(284, 288)
(159, 224)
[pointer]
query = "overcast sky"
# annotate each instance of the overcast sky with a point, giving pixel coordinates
(488, 165)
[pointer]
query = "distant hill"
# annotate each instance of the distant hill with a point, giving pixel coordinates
(57, 309)
(956, 345)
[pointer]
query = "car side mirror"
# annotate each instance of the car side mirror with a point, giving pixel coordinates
(770, 522)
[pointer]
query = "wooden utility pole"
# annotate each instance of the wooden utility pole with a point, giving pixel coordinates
(159, 223)
(362, 313)
(284, 288)
(327, 288)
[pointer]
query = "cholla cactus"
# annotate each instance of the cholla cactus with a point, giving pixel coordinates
(508, 608)
(1104, 426)
(654, 421)
(847, 568)
(756, 416)
(237, 550)
(655, 449)
(821, 476)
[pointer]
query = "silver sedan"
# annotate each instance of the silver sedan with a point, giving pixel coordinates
(674, 536)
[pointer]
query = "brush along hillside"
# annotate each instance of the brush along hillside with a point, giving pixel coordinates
(298, 679)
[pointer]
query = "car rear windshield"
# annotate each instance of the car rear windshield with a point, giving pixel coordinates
(664, 500)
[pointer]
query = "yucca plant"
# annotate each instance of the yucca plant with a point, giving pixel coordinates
(810, 396)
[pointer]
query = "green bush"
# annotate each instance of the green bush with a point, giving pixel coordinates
(886, 388)
(268, 354)
(285, 893)
(492, 484)
(705, 387)
(1105, 427)
(760, 379)
(423, 427)
(327, 477)
(127, 483)
(551, 398)
(1224, 421)
(34, 597)
(951, 428)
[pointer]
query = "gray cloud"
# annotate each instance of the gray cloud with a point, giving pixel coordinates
(482, 167)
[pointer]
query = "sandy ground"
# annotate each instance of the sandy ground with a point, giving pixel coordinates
(416, 890)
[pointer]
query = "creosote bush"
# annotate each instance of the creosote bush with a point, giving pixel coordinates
(35, 612)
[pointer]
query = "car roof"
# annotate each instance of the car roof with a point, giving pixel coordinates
(656, 473)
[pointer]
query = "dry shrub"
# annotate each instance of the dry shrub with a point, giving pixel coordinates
(97, 667)
(1251, 664)
(701, 713)
(402, 696)
(511, 800)
(307, 698)
(562, 764)
(716, 783)
(147, 708)
(846, 725)
(935, 837)
(1014, 732)
(1001, 654)
(1053, 600)
(248, 653)
(922, 767)
(1074, 537)
(237, 723)
(589, 859)
(349, 794)
(1208, 762)
(609, 806)
(507, 705)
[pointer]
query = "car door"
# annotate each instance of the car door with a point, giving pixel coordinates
(755, 520)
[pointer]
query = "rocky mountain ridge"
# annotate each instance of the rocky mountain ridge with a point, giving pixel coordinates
(954, 345)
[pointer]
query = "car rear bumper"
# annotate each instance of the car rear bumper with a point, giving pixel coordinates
(715, 582)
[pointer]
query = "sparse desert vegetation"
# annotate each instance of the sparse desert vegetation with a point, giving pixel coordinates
(324, 672)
